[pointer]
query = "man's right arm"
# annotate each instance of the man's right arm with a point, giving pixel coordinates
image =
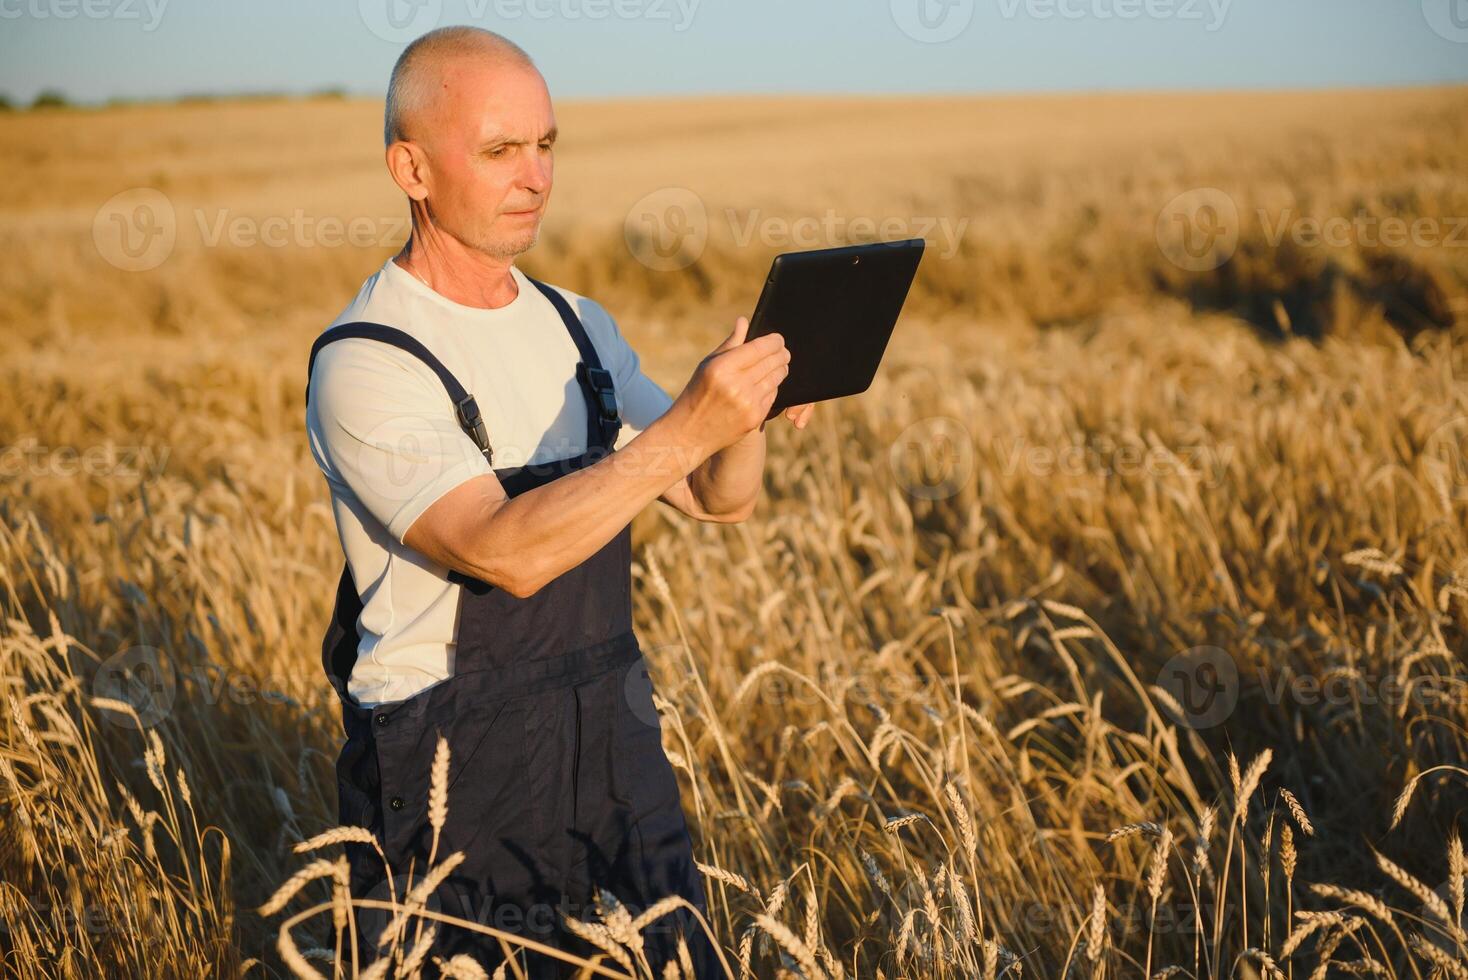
(521, 543)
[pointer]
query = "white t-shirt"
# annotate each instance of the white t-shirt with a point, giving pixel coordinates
(383, 431)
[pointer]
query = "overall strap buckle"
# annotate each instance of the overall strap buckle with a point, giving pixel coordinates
(602, 420)
(599, 380)
(472, 423)
(466, 409)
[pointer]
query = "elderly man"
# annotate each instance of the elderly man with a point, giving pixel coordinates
(487, 440)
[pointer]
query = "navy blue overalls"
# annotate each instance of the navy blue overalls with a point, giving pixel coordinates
(558, 785)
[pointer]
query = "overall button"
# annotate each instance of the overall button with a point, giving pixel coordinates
(397, 803)
(382, 721)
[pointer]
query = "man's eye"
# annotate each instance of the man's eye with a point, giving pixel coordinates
(547, 145)
(498, 152)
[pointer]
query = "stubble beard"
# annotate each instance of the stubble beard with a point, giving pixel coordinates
(508, 248)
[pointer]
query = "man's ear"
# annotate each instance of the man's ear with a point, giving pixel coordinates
(409, 168)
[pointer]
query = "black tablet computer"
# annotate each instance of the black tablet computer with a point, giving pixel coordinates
(836, 308)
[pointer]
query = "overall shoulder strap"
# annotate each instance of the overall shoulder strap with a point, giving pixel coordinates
(465, 408)
(602, 421)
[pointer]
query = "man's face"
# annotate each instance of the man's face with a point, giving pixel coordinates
(488, 138)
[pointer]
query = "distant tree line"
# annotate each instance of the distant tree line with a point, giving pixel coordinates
(45, 99)
(54, 99)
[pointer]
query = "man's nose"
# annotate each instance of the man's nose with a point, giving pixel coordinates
(535, 174)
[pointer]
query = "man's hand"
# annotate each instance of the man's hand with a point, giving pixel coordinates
(732, 389)
(721, 416)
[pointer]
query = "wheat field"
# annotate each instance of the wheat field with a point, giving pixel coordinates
(935, 706)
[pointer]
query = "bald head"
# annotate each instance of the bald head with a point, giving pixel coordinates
(417, 77)
(470, 133)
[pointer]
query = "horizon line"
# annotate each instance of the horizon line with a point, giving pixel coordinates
(344, 93)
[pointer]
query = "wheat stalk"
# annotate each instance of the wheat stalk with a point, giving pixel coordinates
(792, 944)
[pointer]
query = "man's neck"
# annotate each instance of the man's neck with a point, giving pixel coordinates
(458, 273)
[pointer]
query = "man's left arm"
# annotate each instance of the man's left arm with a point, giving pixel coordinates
(724, 488)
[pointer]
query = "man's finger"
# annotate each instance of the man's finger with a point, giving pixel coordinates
(799, 415)
(767, 391)
(751, 352)
(755, 357)
(772, 367)
(736, 336)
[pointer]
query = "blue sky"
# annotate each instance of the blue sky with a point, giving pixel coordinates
(97, 49)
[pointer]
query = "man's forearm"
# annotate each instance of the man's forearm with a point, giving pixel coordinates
(729, 481)
(534, 537)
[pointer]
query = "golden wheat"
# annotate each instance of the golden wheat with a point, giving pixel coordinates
(911, 697)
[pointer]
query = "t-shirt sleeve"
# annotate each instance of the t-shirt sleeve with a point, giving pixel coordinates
(381, 424)
(640, 399)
